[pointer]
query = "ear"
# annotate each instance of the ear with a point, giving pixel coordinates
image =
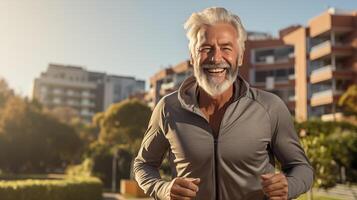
(240, 59)
(191, 59)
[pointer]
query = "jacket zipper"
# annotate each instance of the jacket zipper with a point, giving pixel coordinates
(216, 168)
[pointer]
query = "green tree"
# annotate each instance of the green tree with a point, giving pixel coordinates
(349, 100)
(122, 127)
(329, 146)
(33, 142)
(124, 123)
(5, 93)
(64, 114)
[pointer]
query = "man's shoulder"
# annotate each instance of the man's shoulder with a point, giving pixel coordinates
(169, 101)
(267, 99)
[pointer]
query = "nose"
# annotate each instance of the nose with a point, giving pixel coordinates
(216, 56)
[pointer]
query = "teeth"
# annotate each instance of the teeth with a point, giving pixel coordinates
(215, 70)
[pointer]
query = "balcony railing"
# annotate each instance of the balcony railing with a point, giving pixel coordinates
(320, 46)
(166, 86)
(328, 92)
(272, 59)
(323, 93)
(326, 68)
(292, 98)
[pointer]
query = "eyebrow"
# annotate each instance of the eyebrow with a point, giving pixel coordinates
(227, 44)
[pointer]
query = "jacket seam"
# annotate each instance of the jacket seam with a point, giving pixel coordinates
(272, 133)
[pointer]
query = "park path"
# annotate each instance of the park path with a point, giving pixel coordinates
(115, 196)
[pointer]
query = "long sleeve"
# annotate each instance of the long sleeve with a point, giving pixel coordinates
(150, 156)
(288, 151)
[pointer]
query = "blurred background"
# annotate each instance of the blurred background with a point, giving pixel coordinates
(79, 80)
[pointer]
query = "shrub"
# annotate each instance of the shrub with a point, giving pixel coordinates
(330, 146)
(67, 189)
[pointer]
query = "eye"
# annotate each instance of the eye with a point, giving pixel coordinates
(226, 49)
(205, 49)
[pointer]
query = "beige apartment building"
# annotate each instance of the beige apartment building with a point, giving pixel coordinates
(166, 81)
(269, 65)
(84, 91)
(308, 67)
(325, 62)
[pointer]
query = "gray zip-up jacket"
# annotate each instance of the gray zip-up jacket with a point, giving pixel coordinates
(256, 128)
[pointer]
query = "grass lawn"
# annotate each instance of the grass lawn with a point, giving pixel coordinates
(317, 197)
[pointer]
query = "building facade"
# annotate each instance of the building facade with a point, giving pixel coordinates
(166, 81)
(325, 62)
(268, 64)
(85, 91)
(307, 67)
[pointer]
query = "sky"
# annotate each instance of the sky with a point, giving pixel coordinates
(123, 37)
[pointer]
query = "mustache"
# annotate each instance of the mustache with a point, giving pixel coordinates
(222, 65)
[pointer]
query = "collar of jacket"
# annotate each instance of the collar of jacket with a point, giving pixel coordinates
(188, 91)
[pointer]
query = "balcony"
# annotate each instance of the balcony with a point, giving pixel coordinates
(328, 72)
(291, 77)
(57, 92)
(166, 86)
(273, 55)
(87, 95)
(292, 98)
(87, 104)
(339, 22)
(332, 117)
(324, 97)
(73, 103)
(272, 60)
(326, 48)
(321, 74)
(85, 112)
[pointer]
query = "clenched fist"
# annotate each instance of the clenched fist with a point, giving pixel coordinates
(184, 188)
(275, 186)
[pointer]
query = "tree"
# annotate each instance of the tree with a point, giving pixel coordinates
(64, 114)
(124, 123)
(122, 127)
(330, 146)
(32, 141)
(349, 100)
(5, 93)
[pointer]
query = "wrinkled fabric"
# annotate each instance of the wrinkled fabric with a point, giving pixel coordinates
(256, 128)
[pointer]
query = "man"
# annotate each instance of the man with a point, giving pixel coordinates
(222, 135)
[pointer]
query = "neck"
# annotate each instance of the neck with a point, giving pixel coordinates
(206, 101)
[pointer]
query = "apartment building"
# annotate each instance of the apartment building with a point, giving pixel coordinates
(166, 81)
(325, 62)
(268, 64)
(307, 67)
(85, 91)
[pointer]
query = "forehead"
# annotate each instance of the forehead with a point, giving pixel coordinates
(222, 32)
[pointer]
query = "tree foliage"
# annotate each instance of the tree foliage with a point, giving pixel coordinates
(121, 128)
(32, 141)
(329, 146)
(124, 123)
(349, 100)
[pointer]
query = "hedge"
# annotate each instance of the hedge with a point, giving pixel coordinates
(66, 189)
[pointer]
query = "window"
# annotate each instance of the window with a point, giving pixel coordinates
(260, 76)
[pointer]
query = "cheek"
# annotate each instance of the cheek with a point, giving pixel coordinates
(201, 59)
(231, 60)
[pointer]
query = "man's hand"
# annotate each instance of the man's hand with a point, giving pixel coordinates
(184, 188)
(275, 186)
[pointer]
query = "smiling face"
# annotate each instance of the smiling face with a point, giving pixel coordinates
(215, 61)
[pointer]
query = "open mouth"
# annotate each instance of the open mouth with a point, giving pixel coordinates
(215, 71)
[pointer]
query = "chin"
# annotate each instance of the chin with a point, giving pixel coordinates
(209, 85)
(213, 89)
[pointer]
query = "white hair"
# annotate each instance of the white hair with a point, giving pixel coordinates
(212, 16)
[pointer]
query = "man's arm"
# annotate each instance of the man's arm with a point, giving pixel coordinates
(287, 149)
(150, 156)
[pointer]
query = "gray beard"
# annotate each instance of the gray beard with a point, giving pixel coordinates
(209, 86)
